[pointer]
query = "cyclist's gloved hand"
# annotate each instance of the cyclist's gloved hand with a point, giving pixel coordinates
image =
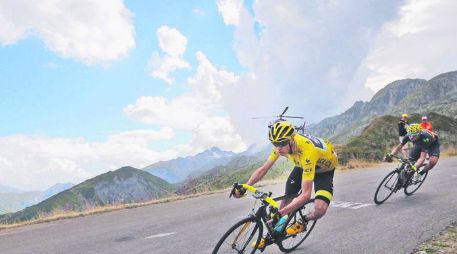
(239, 192)
(388, 158)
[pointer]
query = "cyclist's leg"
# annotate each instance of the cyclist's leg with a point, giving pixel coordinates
(323, 187)
(293, 185)
(434, 155)
(421, 159)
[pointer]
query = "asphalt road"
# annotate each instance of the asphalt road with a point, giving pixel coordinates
(353, 223)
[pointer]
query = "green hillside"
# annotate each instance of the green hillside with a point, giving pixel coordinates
(237, 170)
(381, 135)
(408, 95)
(125, 185)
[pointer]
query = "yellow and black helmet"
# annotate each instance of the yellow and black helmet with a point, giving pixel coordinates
(413, 129)
(281, 132)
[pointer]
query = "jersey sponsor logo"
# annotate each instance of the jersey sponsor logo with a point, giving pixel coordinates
(317, 142)
(324, 162)
(307, 170)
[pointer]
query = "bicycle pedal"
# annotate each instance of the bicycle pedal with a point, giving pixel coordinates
(268, 241)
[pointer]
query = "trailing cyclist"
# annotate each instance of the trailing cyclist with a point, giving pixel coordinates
(315, 161)
(425, 142)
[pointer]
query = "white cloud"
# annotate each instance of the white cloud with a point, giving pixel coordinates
(208, 81)
(92, 32)
(34, 162)
(301, 54)
(180, 112)
(230, 11)
(173, 44)
(419, 43)
(197, 111)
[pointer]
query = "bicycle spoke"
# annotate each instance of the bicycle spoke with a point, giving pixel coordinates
(240, 238)
(415, 183)
(290, 242)
(245, 226)
(388, 186)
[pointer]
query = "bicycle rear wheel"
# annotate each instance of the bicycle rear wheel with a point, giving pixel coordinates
(291, 242)
(387, 186)
(415, 182)
(243, 237)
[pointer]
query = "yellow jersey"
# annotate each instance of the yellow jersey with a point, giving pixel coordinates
(313, 155)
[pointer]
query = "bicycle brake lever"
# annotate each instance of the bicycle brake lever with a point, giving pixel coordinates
(235, 185)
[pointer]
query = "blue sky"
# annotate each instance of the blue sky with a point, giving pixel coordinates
(51, 96)
(90, 86)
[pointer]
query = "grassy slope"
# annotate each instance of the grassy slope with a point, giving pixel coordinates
(83, 195)
(381, 135)
(238, 170)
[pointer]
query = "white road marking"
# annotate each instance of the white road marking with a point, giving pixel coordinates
(350, 205)
(160, 235)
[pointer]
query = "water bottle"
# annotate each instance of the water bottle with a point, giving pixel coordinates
(281, 224)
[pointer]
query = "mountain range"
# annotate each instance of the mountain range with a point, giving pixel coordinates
(438, 94)
(12, 200)
(177, 170)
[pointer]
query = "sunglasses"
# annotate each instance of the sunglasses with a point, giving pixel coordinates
(281, 144)
(411, 135)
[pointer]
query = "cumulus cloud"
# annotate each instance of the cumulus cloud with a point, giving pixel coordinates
(197, 111)
(173, 44)
(230, 11)
(92, 32)
(35, 162)
(301, 54)
(419, 43)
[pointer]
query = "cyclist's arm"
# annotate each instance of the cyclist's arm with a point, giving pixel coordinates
(396, 149)
(307, 187)
(260, 172)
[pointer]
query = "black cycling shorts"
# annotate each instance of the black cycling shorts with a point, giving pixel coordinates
(323, 184)
(432, 150)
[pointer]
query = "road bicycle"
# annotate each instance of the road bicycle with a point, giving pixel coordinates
(403, 176)
(246, 235)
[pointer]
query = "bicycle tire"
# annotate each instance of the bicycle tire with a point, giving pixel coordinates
(300, 237)
(386, 180)
(246, 244)
(409, 192)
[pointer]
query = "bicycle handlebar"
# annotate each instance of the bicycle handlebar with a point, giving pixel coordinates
(257, 194)
(411, 164)
(400, 159)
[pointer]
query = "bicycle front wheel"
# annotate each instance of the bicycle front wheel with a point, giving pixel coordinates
(243, 237)
(291, 242)
(415, 182)
(387, 186)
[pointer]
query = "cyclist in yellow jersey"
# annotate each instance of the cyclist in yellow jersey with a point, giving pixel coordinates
(315, 162)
